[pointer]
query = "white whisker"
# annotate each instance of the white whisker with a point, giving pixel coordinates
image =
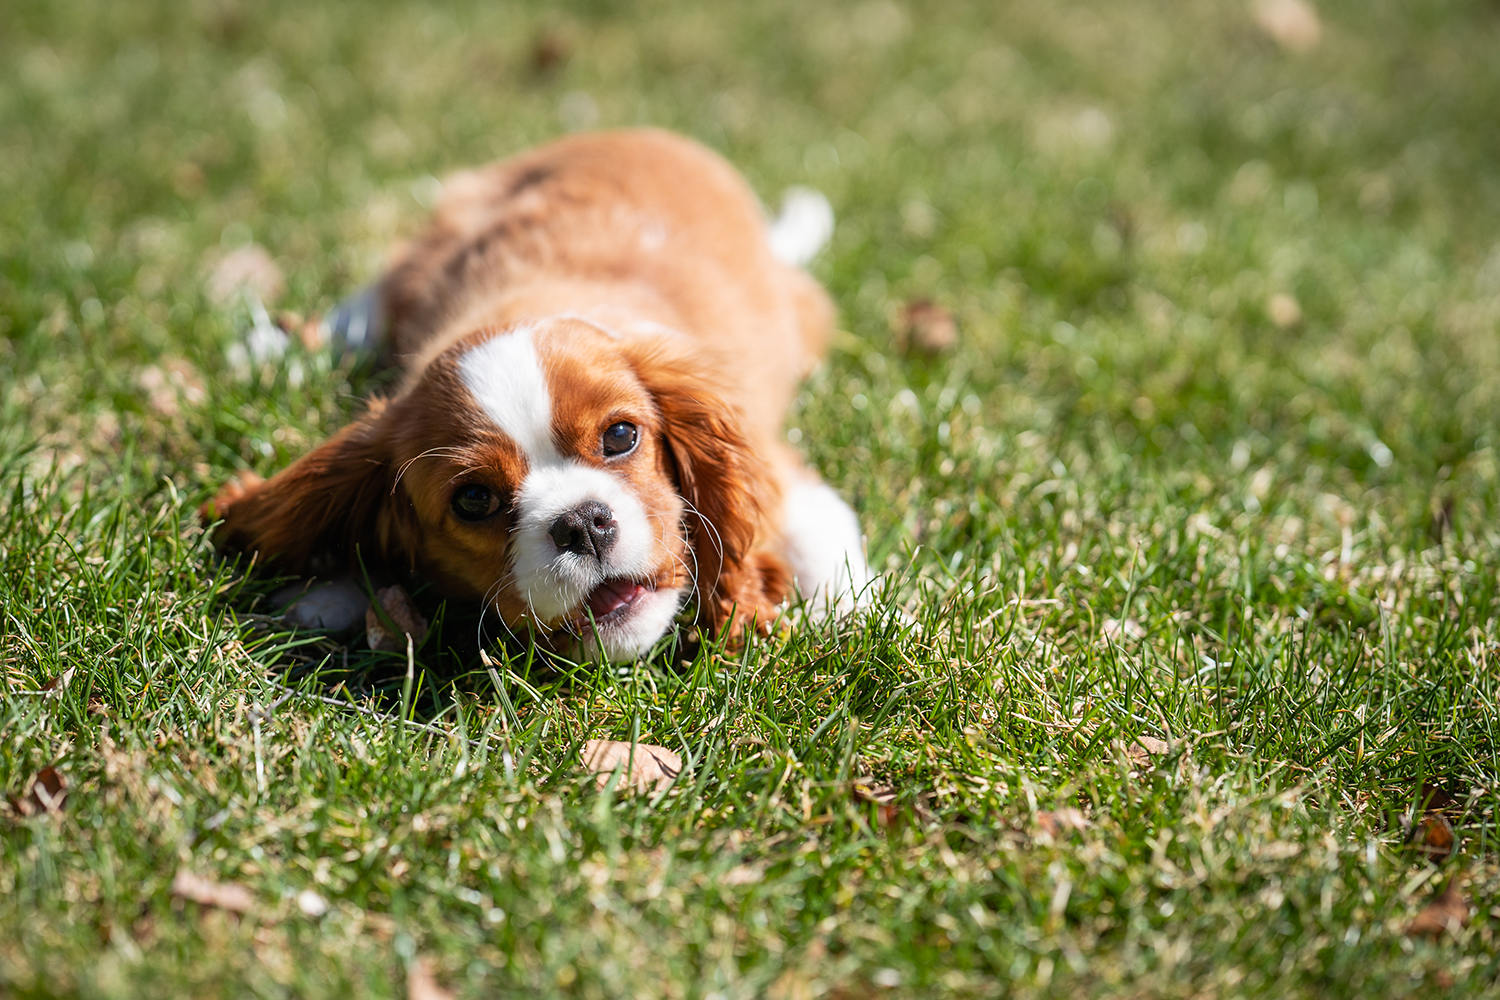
(714, 536)
(445, 451)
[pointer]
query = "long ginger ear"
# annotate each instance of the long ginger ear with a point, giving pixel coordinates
(315, 514)
(729, 490)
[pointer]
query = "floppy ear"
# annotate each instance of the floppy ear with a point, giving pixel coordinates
(729, 488)
(314, 515)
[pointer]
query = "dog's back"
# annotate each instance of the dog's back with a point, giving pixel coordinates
(631, 229)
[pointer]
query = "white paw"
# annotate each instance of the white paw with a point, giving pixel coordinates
(825, 549)
(802, 228)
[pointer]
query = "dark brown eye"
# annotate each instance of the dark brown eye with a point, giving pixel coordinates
(620, 438)
(475, 502)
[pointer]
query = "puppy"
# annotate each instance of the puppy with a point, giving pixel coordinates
(599, 350)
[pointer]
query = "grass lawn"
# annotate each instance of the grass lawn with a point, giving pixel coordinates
(1192, 562)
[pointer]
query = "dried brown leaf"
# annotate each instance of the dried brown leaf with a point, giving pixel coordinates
(926, 327)
(46, 794)
(1140, 751)
(1059, 822)
(645, 767)
(420, 984)
(230, 896)
(1436, 797)
(1448, 911)
(1434, 837)
(1285, 311)
(57, 685)
(249, 266)
(550, 50)
(883, 797)
(403, 613)
(1292, 24)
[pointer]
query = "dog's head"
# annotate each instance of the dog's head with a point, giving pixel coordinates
(580, 483)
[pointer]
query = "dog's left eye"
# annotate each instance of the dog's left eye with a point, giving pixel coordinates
(620, 438)
(475, 502)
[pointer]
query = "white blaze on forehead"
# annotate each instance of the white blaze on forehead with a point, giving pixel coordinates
(505, 377)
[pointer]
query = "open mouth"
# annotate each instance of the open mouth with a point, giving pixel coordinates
(612, 600)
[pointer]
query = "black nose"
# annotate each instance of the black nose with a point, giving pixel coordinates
(586, 530)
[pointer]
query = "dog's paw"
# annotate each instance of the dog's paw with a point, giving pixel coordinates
(241, 486)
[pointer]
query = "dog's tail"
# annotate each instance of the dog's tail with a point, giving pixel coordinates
(802, 228)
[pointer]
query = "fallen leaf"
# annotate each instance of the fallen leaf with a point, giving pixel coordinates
(883, 797)
(1448, 911)
(549, 51)
(1433, 836)
(249, 267)
(224, 895)
(420, 984)
(46, 794)
(646, 766)
(57, 685)
(1284, 310)
(1140, 751)
(1292, 24)
(402, 611)
(1061, 821)
(926, 327)
(1436, 797)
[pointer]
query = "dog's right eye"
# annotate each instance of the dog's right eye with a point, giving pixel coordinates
(475, 502)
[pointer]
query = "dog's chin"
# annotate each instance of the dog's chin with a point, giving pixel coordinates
(620, 619)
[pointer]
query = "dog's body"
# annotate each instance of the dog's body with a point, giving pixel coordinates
(600, 350)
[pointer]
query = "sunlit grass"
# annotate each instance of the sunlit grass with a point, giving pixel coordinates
(1212, 465)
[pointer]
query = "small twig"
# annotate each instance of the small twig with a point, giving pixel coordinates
(264, 714)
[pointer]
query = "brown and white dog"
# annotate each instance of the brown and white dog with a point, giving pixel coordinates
(599, 350)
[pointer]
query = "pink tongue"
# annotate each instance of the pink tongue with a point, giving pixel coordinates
(612, 595)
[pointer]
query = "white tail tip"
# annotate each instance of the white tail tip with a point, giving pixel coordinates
(802, 228)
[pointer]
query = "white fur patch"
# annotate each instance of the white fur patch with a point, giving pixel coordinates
(825, 549)
(507, 381)
(555, 582)
(505, 377)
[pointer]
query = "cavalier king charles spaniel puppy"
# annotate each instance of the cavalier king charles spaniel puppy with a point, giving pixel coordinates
(599, 348)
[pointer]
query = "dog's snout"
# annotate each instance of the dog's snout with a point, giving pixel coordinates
(586, 530)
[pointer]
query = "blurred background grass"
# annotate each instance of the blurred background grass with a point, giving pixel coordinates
(1226, 383)
(1109, 197)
